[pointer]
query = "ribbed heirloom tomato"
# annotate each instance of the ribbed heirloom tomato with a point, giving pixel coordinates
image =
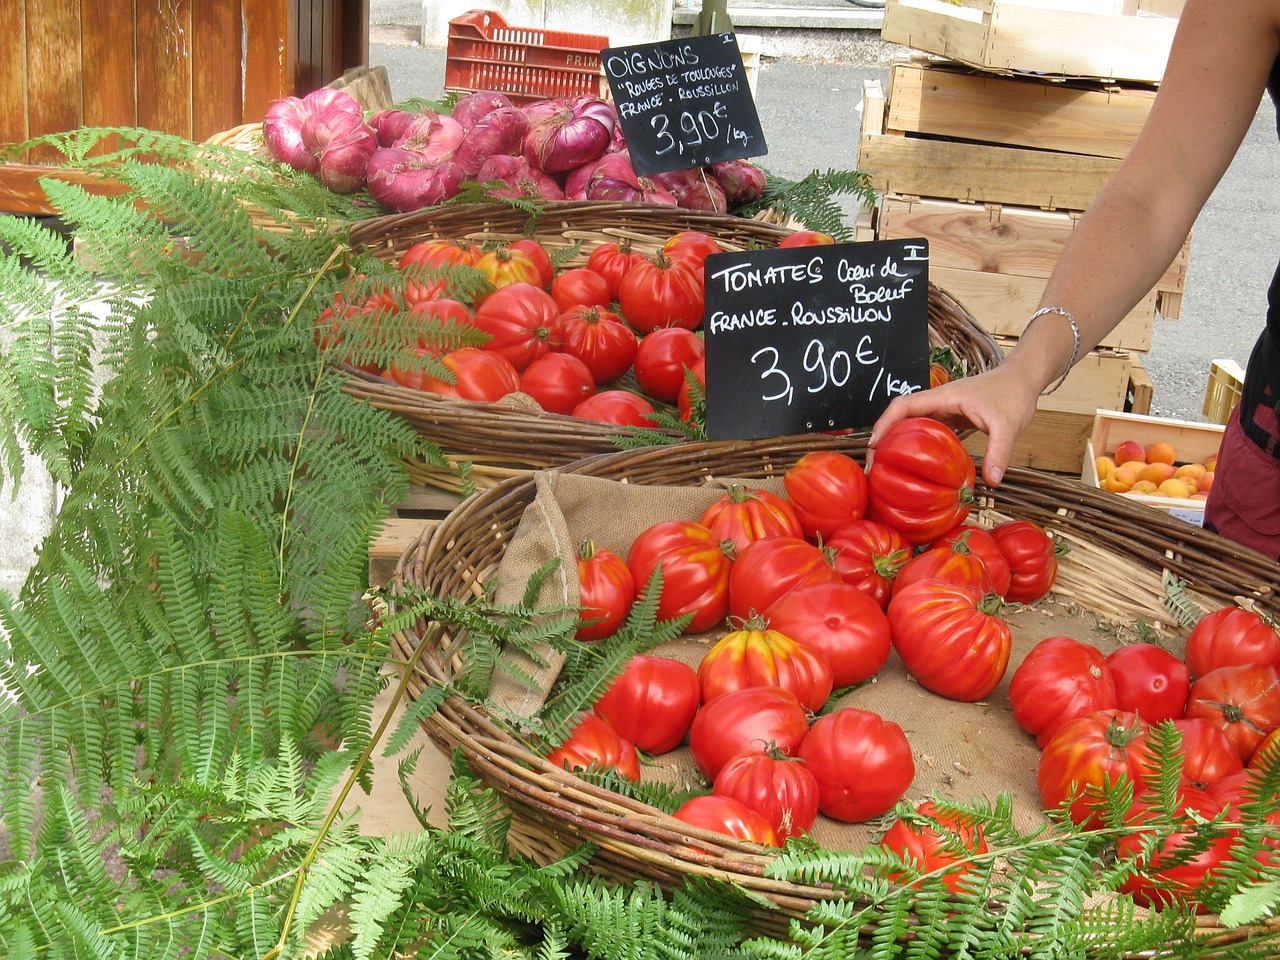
(427, 264)
(593, 743)
(950, 638)
(599, 339)
(868, 554)
(951, 562)
(1169, 875)
(755, 656)
(1243, 700)
(580, 287)
(612, 261)
(1032, 556)
(729, 816)
(695, 571)
(1059, 679)
(862, 763)
(661, 292)
(982, 544)
(936, 843)
(1088, 756)
(522, 322)
(827, 489)
(921, 480)
(622, 407)
(606, 591)
(1229, 637)
(478, 375)
(779, 788)
(840, 622)
(505, 266)
(750, 719)
(652, 702)
(766, 569)
(744, 514)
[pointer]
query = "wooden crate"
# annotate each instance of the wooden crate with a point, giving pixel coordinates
(973, 172)
(1110, 39)
(1226, 384)
(190, 69)
(932, 98)
(1056, 439)
(1192, 442)
(997, 258)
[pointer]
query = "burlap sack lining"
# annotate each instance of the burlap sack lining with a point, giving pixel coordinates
(961, 750)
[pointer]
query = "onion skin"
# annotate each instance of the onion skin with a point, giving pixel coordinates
(695, 188)
(433, 135)
(743, 181)
(612, 177)
(565, 133)
(473, 107)
(282, 134)
(402, 180)
(525, 181)
(501, 131)
(390, 125)
(344, 162)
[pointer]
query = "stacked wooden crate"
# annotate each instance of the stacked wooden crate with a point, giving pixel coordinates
(994, 164)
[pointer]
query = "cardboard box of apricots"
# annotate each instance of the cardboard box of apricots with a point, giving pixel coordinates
(1134, 455)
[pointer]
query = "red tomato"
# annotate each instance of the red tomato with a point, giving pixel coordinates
(921, 480)
(1150, 681)
(869, 554)
(432, 315)
(593, 743)
(779, 788)
(729, 816)
(951, 562)
(691, 401)
(766, 569)
(862, 763)
(1170, 877)
(477, 374)
(692, 246)
(840, 622)
(1243, 700)
(1266, 750)
(558, 381)
(934, 846)
(806, 238)
(661, 359)
(982, 544)
(949, 638)
(746, 720)
(1032, 559)
(743, 514)
(660, 292)
(1087, 756)
(938, 375)
(755, 656)
(357, 323)
(1059, 679)
(606, 591)
(536, 252)
(828, 489)
(580, 287)
(652, 702)
(600, 340)
(695, 571)
(1208, 754)
(426, 263)
(522, 322)
(415, 379)
(622, 407)
(1229, 637)
(505, 266)
(612, 261)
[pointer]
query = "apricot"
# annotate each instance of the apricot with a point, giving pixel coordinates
(1103, 466)
(1147, 487)
(1157, 472)
(1211, 462)
(1161, 451)
(1128, 450)
(1119, 480)
(1192, 471)
(1174, 488)
(1205, 482)
(1133, 466)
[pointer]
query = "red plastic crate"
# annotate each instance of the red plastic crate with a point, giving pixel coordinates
(484, 53)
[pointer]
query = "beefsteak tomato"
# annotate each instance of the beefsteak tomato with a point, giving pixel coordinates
(744, 514)
(828, 490)
(1243, 700)
(729, 816)
(921, 480)
(840, 622)
(599, 339)
(593, 743)
(1089, 756)
(751, 719)
(522, 322)
(606, 591)
(755, 656)
(869, 554)
(933, 842)
(779, 788)
(652, 702)
(766, 569)
(1228, 637)
(622, 407)
(662, 292)
(862, 763)
(695, 571)
(1032, 556)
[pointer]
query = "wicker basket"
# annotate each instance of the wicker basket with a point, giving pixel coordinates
(499, 440)
(1121, 557)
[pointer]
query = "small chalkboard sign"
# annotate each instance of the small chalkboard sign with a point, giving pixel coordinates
(813, 338)
(684, 103)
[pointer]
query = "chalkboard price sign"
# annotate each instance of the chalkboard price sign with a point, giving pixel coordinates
(684, 103)
(813, 338)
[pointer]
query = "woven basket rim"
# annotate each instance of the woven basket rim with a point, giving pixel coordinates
(463, 550)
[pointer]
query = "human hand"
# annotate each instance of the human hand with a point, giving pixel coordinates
(998, 403)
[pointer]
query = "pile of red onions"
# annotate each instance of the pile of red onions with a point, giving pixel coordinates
(565, 147)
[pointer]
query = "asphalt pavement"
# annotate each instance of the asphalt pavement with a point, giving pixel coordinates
(810, 114)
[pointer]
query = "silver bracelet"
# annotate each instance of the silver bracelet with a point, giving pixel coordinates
(1075, 341)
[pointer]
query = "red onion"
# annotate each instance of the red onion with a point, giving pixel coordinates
(402, 180)
(524, 180)
(695, 188)
(471, 107)
(500, 131)
(612, 177)
(434, 136)
(742, 180)
(390, 125)
(282, 133)
(344, 161)
(566, 133)
(326, 98)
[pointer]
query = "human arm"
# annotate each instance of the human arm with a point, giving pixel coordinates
(1222, 53)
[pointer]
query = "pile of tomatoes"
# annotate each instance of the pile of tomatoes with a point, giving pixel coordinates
(1098, 718)
(816, 587)
(609, 341)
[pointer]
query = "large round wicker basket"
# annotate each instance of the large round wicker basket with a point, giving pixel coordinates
(499, 440)
(1122, 561)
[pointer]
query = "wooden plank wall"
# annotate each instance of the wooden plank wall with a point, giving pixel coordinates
(171, 65)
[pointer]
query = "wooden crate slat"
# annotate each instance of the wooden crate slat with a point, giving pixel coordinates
(942, 101)
(54, 100)
(13, 114)
(164, 67)
(216, 94)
